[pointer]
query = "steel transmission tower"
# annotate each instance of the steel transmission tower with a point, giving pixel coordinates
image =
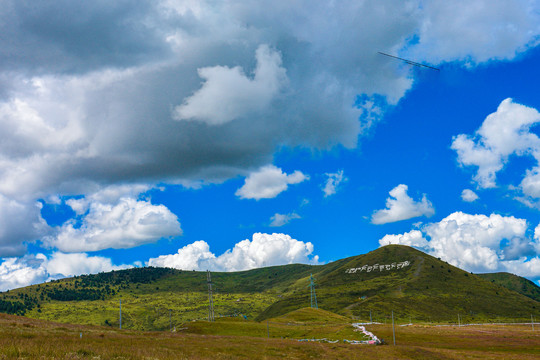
(313, 295)
(210, 298)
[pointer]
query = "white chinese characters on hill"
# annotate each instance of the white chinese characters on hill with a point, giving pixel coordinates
(370, 268)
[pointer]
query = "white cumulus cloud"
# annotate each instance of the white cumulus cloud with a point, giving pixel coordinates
(268, 182)
(523, 267)
(124, 224)
(16, 272)
(412, 238)
(35, 269)
(262, 250)
(468, 195)
(400, 206)
(476, 31)
(79, 263)
(503, 133)
(477, 243)
(195, 256)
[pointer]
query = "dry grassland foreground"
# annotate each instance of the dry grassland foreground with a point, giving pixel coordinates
(23, 338)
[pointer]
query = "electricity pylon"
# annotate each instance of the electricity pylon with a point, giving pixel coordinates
(210, 299)
(313, 294)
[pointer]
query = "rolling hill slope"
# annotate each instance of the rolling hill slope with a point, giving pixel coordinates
(422, 288)
(515, 283)
(394, 278)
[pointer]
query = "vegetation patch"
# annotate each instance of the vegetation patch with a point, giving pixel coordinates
(49, 340)
(427, 290)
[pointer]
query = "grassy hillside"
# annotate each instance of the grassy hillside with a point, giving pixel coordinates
(515, 283)
(425, 289)
(305, 323)
(152, 298)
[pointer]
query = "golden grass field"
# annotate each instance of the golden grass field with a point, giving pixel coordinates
(24, 338)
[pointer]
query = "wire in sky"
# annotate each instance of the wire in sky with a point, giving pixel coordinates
(409, 61)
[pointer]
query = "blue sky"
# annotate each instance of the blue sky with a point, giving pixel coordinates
(230, 136)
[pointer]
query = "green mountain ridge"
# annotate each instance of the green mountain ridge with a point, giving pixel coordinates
(412, 284)
(513, 282)
(427, 289)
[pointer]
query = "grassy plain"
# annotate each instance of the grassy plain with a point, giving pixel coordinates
(306, 323)
(24, 338)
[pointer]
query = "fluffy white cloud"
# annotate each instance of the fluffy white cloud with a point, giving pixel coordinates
(468, 195)
(35, 269)
(400, 206)
(530, 185)
(282, 219)
(412, 238)
(477, 243)
(536, 237)
(61, 264)
(124, 224)
(228, 93)
(332, 182)
(263, 250)
(503, 133)
(195, 256)
(268, 182)
(109, 195)
(476, 31)
(19, 272)
(474, 241)
(523, 267)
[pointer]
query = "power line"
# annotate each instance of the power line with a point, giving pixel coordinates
(410, 62)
